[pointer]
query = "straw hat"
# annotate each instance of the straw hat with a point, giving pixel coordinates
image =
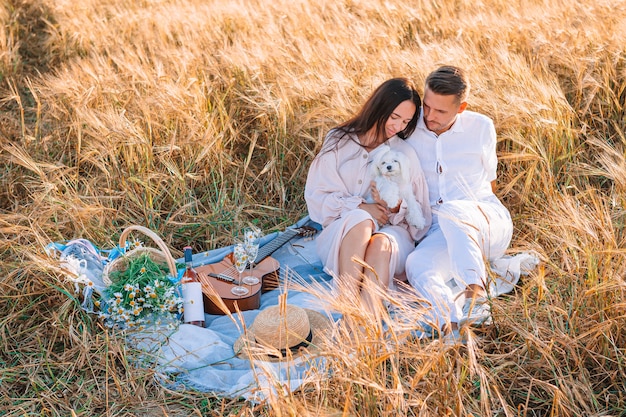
(274, 332)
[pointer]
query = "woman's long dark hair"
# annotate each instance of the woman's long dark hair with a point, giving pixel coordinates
(378, 108)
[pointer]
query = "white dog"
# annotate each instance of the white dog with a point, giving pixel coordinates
(390, 171)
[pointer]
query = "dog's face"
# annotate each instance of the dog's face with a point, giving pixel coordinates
(390, 164)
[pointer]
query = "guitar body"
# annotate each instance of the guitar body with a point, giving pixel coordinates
(266, 271)
(217, 279)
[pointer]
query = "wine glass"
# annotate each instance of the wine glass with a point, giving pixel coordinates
(251, 246)
(250, 280)
(240, 258)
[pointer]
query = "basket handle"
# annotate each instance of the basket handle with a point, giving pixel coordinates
(171, 263)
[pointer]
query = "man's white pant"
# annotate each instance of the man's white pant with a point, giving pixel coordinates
(463, 236)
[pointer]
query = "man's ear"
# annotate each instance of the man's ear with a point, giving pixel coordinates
(462, 107)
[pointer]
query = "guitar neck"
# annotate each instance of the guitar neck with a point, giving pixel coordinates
(267, 249)
(275, 244)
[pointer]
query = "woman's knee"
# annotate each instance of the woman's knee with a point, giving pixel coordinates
(365, 227)
(380, 243)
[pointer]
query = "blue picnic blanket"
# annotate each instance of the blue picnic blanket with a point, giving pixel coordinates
(190, 357)
(203, 358)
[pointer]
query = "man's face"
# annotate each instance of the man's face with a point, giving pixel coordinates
(440, 111)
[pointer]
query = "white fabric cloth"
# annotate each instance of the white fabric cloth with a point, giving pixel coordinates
(470, 224)
(509, 269)
(339, 180)
(203, 358)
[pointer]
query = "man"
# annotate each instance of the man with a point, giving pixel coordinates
(457, 150)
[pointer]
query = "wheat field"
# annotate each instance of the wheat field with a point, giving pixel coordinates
(196, 117)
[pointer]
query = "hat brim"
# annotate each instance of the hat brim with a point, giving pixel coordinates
(246, 347)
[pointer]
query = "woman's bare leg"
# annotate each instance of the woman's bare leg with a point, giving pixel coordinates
(378, 256)
(354, 244)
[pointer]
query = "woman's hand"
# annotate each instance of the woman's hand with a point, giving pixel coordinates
(377, 199)
(379, 212)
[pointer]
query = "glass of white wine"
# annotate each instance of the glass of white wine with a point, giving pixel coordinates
(251, 246)
(240, 258)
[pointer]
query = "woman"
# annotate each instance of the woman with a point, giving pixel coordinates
(339, 179)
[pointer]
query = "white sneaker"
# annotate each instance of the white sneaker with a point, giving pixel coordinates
(476, 312)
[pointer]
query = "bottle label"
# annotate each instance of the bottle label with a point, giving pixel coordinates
(193, 304)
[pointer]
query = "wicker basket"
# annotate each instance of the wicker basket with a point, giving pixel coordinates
(162, 256)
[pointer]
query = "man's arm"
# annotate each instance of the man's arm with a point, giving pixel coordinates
(493, 186)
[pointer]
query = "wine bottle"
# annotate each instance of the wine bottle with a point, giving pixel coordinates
(193, 305)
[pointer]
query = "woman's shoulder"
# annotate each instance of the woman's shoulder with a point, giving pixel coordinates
(337, 138)
(337, 133)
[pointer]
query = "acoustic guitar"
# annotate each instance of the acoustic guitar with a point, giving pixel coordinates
(219, 278)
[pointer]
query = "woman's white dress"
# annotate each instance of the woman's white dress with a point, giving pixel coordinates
(339, 181)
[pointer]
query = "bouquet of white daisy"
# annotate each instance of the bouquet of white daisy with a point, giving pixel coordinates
(140, 295)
